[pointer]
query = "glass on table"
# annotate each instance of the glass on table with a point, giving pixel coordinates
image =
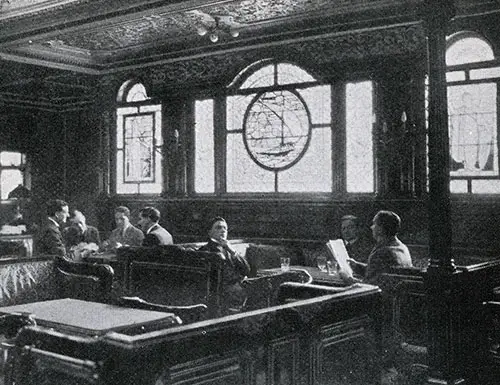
(285, 263)
(321, 263)
(331, 267)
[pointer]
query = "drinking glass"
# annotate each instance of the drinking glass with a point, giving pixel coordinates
(331, 267)
(321, 263)
(285, 263)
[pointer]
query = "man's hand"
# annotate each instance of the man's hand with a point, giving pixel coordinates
(225, 244)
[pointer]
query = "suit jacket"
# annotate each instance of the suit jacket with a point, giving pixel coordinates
(235, 269)
(393, 253)
(131, 237)
(360, 249)
(50, 240)
(157, 235)
(73, 236)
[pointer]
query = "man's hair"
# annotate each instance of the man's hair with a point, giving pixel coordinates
(78, 217)
(54, 206)
(211, 222)
(124, 210)
(352, 218)
(151, 213)
(389, 221)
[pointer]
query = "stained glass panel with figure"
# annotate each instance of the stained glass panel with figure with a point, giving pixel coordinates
(473, 133)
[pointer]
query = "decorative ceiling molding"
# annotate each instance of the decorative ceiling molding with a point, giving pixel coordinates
(93, 35)
(89, 39)
(400, 41)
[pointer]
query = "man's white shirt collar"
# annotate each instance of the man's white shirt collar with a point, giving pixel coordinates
(125, 229)
(57, 224)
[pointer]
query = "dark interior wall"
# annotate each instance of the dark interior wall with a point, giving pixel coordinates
(83, 169)
(64, 150)
(41, 135)
(186, 218)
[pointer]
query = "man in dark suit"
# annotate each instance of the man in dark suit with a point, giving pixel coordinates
(388, 252)
(51, 241)
(236, 267)
(356, 241)
(154, 233)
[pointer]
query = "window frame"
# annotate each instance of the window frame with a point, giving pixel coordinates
(158, 146)
(337, 125)
(466, 68)
(23, 168)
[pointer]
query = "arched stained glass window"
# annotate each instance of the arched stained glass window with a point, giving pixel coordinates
(468, 47)
(137, 93)
(138, 142)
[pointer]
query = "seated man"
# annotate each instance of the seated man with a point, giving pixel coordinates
(236, 267)
(388, 252)
(50, 240)
(357, 243)
(79, 232)
(154, 233)
(125, 233)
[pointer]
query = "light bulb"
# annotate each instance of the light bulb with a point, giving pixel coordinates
(202, 31)
(234, 33)
(214, 38)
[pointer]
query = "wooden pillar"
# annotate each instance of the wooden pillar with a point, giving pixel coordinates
(444, 314)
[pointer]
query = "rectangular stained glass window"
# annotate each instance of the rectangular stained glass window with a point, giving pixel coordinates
(359, 143)
(472, 115)
(139, 150)
(204, 163)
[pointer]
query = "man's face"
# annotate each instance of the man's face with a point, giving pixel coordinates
(377, 230)
(80, 224)
(145, 223)
(349, 230)
(63, 214)
(218, 231)
(121, 220)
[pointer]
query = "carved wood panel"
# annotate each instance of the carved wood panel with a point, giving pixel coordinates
(345, 353)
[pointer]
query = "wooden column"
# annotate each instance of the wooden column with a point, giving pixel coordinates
(444, 314)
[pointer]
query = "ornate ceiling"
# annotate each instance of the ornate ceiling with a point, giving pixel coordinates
(98, 37)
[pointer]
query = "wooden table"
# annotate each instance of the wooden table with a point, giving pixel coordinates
(90, 318)
(319, 277)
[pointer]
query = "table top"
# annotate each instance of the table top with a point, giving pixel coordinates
(318, 276)
(89, 318)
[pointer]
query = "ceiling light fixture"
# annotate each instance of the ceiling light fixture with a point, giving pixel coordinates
(216, 26)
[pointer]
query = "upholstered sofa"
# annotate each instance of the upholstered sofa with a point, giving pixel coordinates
(48, 277)
(181, 275)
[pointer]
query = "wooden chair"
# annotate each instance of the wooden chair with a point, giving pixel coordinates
(82, 280)
(264, 291)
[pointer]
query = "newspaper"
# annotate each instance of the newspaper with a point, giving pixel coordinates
(337, 248)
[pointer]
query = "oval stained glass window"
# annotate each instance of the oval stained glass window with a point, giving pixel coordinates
(277, 129)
